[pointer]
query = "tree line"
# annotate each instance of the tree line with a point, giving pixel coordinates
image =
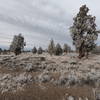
(18, 43)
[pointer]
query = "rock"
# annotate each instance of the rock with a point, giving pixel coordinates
(86, 98)
(70, 98)
(80, 98)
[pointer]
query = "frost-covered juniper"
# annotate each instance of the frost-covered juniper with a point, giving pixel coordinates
(40, 50)
(66, 48)
(17, 44)
(34, 50)
(84, 31)
(51, 47)
(0, 50)
(58, 49)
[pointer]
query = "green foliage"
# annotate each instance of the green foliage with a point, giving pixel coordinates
(51, 47)
(17, 44)
(58, 50)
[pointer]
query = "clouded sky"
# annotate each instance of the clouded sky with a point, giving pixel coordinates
(41, 20)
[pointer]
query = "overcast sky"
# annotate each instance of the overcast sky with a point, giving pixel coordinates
(41, 20)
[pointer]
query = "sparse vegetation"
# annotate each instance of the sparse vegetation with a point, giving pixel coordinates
(17, 44)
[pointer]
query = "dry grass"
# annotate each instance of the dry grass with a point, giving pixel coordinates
(47, 92)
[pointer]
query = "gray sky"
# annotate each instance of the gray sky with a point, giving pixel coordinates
(41, 20)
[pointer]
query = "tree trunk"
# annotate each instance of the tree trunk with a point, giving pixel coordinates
(17, 51)
(81, 51)
(87, 54)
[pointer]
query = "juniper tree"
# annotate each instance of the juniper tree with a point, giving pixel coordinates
(5, 51)
(40, 50)
(34, 50)
(17, 44)
(84, 32)
(66, 48)
(0, 50)
(51, 47)
(58, 49)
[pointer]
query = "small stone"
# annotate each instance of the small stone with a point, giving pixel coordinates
(86, 98)
(80, 98)
(70, 98)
